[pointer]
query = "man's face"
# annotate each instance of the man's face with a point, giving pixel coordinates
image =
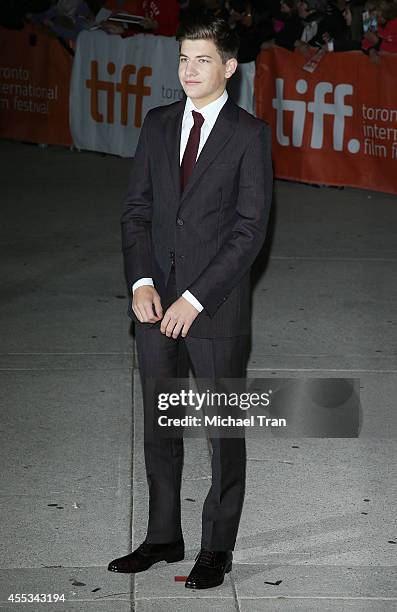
(303, 9)
(284, 8)
(201, 72)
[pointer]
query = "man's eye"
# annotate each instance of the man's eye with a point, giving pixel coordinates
(202, 60)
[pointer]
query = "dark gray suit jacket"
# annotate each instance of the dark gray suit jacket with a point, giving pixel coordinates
(215, 229)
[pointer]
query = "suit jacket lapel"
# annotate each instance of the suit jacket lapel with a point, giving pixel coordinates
(172, 128)
(222, 131)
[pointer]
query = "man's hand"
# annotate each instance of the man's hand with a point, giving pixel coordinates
(178, 318)
(303, 48)
(374, 56)
(149, 24)
(144, 299)
(371, 37)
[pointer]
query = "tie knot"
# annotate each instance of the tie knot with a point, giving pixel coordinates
(198, 119)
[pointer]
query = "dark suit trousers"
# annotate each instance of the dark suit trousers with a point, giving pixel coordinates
(163, 357)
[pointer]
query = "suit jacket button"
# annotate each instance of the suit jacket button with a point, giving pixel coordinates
(179, 221)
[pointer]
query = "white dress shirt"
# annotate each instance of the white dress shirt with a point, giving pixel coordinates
(210, 113)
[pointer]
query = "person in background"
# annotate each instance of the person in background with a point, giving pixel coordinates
(66, 18)
(13, 15)
(125, 30)
(381, 30)
(356, 8)
(164, 13)
(385, 39)
(292, 26)
(321, 18)
(287, 28)
(161, 17)
(346, 42)
(335, 18)
(197, 9)
(253, 26)
(312, 13)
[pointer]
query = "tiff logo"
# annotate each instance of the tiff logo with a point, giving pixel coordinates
(319, 108)
(125, 88)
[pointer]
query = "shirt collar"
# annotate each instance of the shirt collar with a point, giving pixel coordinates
(209, 111)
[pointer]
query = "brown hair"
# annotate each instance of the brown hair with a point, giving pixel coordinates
(218, 30)
(387, 9)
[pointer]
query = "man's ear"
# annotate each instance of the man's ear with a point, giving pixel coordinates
(231, 67)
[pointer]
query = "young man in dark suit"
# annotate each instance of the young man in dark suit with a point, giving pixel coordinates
(194, 220)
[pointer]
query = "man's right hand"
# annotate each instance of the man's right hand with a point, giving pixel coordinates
(146, 304)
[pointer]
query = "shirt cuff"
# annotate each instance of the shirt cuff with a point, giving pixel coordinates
(141, 282)
(330, 45)
(192, 300)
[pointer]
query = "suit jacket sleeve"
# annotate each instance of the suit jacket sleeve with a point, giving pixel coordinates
(136, 218)
(238, 253)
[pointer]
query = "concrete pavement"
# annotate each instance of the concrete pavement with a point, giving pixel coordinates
(318, 528)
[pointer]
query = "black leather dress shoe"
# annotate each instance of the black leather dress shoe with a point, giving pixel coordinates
(210, 569)
(146, 555)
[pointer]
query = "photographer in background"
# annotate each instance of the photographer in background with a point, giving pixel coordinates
(385, 38)
(287, 27)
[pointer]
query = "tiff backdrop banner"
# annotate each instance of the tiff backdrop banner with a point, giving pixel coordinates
(336, 125)
(116, 81)
(34, 87)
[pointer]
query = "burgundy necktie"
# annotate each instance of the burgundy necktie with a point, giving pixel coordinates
(190, 154)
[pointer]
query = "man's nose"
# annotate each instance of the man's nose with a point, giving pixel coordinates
(190, 69)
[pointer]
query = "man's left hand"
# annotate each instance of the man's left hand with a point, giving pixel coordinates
(371, 37)
(178, 318)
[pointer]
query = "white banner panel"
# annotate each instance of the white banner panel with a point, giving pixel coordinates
(115, 81)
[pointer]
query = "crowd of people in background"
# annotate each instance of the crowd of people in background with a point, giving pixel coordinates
(330, 25)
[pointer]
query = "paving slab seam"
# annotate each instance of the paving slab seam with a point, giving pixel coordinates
(285, 564)
(61, 369)
(24, 354)
(236, 601)
(319, 258)
(315, 597)
(134, 482)
(329, 355)
(102, 597)
(22, 568)
(132, 507)
(320, 370)
(202, 598)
